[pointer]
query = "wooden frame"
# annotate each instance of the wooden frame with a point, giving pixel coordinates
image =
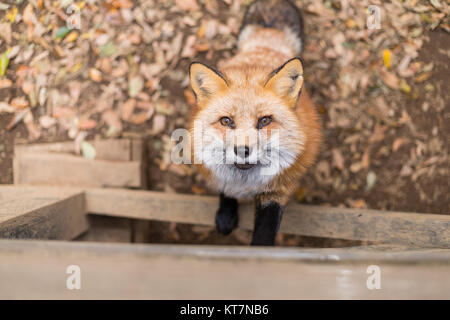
(413, 229)
(410, 249)
(118, 163)
(37, 269)
(394, 228)
(125, 271)
(34, 213)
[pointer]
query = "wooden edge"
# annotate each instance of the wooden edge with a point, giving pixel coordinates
(411, 229)
(43, 216)
(106, 149)
(70, 170)
(38, 270)
(108, 229)
(408, 229)
(139, 153)
(362, 254)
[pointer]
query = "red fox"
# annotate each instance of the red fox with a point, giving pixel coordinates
(254, 109)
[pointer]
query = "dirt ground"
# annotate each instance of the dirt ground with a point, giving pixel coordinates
(383, 94)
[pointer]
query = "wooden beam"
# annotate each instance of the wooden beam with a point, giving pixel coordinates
(108, 149)
(70, 170)
(37, 270)
(118, 163)
(108, 229)
(139, 153)
(44, 213)
(412, 229)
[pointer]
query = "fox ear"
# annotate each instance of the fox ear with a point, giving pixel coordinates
(287, 80)
(205, 81)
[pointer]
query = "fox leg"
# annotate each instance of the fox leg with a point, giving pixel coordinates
(268, 216)
(227, 215)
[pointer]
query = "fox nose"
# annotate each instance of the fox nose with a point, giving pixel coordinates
(242, 151)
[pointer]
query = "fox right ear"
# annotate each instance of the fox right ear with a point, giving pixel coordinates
(287, 80)
(205, 81)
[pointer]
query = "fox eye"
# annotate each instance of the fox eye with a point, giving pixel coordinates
(225, 121)
(264, 121)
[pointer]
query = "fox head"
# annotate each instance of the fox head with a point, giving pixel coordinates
(245, 127)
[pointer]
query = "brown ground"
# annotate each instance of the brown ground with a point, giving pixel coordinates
(375, 127)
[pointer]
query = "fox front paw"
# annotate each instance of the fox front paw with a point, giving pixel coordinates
(267, 222)
(227, 215)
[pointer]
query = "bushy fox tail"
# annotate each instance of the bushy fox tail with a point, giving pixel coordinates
(274, 14)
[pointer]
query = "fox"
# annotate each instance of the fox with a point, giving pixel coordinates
(260, 130)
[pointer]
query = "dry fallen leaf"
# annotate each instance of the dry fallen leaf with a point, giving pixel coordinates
(365, 160)
(5, 32)
(128, 108)
(141, 117)
(72, 36)
(390, 79)
(113, 121)
(47, 121)
(370, 180)
(5, 107)
(358, 204)
(338, 159)
(136, 84)
(191, 5)
(28, 15)
(87, 124)
(20, 103)
(95, 75)
(5, 83)
(87, 150)
(387, 58)
(398, 143)
(34, 132)
(189, 50)
(423, 77)
(159, 123)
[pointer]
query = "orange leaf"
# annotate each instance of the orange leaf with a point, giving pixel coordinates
(95, 75)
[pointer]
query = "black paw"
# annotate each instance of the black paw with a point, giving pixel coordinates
(267, 222)
(227, 215)
(269, 241)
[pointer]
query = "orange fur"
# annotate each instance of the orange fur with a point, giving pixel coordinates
(246, 90)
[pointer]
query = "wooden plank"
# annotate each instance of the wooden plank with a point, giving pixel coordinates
(108, 229)
(412, 229)
(139, 153)
(42, 214)
(110, 149)
(11, 192)
(141, 230)
(118, 163)
(37, 270)
(70, 170)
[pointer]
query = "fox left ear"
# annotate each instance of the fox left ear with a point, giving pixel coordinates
(205, 81)
(287, 80)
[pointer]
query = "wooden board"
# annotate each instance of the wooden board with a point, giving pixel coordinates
(37, 270)
(412, 229)
(109, 149)
(118, 163)
(107, 229)
(29, 213)
(70, 170)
